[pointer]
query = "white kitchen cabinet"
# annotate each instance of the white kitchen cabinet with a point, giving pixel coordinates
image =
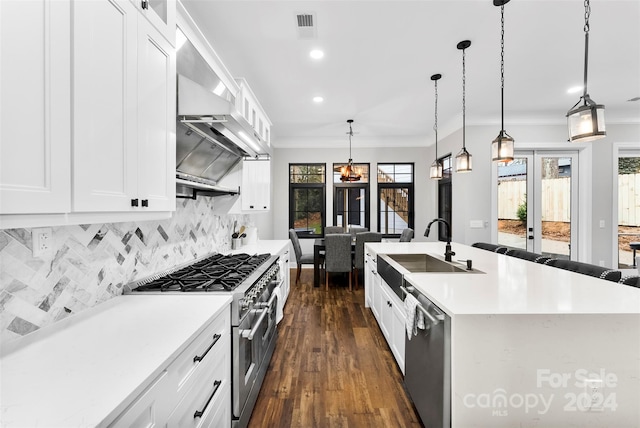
(149, 407)
(156, 120)
(256, 185)
(35, 107)
(247, 104)
(162, 15)
(124, 103)
(285, 271)
(387, 308)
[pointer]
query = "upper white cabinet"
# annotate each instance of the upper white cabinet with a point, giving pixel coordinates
(88, 116)
(124, 108)
(105, 105)
(248, 105)
(156, 120)
(162, 15)
(255, 191)
(34, 106)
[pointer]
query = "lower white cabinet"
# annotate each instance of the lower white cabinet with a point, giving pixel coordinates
(285, 271)
(194, 390)
(388, 310)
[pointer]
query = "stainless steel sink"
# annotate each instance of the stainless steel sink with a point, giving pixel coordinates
(425, 263)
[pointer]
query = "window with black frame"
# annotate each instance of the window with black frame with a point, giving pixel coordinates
(395, 198)
(351, 198)
(307, 187)
(444, 197)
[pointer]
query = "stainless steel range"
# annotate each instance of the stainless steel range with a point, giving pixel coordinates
(251, 280)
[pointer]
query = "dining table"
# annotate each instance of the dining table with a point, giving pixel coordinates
(318, 248)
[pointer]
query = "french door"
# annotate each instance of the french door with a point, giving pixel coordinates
(538, 203)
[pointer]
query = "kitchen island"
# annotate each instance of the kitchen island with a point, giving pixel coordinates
(529, 342)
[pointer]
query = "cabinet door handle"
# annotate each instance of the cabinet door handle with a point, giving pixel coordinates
(145, 202)
(134, 202)
(197, 358)
(199, 413)
(251, 206)
(145, 4)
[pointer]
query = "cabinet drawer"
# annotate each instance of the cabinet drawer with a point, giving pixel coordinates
(212, 390)
(150, 408)
(196, 360)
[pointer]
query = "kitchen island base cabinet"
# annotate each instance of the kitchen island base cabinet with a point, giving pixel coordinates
(389, 312)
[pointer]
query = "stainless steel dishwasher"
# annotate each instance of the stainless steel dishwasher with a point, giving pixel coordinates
(427, 375)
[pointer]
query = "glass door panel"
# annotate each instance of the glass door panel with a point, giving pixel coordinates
(536, 193)
(628, 208)
(513, 186)
(555, 206)
(350, 206)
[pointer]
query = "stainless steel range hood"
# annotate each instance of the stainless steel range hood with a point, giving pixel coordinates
(211, 135)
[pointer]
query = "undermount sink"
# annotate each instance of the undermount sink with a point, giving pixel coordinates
(425, 263)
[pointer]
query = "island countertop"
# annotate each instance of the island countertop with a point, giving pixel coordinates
(509, 285)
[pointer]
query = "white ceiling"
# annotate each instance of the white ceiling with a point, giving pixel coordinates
(379, 56)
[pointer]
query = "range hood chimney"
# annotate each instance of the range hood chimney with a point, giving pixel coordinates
(211, 135)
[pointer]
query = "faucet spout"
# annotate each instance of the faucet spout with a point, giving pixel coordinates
(447, 253)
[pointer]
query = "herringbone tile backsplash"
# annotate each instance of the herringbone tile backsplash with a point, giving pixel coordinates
(93, 262)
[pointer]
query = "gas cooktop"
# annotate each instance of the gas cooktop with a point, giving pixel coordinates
(215, 273)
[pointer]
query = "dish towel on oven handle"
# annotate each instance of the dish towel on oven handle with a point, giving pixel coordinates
(279, 304)
(415, 317)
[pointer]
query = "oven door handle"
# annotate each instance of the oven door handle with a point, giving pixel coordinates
(249, 334)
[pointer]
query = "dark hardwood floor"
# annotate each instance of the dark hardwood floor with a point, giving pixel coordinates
(331, 366)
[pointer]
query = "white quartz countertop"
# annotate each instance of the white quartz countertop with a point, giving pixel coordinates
(512, 286)
(81, 370)
(272, 246)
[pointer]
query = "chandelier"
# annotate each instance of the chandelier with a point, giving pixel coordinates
(348, 173)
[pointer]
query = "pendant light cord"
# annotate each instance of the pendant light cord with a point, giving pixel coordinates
(502, 65)
(350, 134)
(464, 85)
(435, 126)
(587, 13)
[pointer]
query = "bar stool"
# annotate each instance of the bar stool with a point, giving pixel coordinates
(634, 246)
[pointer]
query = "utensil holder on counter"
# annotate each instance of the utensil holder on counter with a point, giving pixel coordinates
(236, 243)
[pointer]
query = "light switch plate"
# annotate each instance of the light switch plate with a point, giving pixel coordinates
(476, 224)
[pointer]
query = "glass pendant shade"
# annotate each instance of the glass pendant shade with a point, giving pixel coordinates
(435, 172)
(502, 148)
(463, 161)
(586, 123)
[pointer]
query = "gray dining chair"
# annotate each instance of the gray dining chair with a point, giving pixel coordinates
(337, 257)
(358, 259)
(301, 258)
(407, 235)
(333, 229)
(633, 281)
(353, 230)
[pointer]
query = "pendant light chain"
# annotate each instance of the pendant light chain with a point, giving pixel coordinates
(502, 64)
(350, 134)
(464, 91)
(587, 14)
(435, 126)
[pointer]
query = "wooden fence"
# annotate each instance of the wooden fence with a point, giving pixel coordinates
(556, 201)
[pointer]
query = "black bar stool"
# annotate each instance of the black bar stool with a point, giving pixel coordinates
(634, 246)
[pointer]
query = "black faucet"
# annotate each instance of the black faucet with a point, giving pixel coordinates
(447, 253)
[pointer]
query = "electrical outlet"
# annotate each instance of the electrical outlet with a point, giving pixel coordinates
(594, 390)
(42, 241)
(601, 224)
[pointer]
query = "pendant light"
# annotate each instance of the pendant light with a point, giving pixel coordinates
(502, 146)
(586, 123)
(435, 172)
(348, 173)
(463, 159)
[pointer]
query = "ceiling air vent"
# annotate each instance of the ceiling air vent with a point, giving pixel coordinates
(306, 25)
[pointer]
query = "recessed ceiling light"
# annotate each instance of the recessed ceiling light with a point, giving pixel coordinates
(316, 54)
(574, 90)
(318, 99)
